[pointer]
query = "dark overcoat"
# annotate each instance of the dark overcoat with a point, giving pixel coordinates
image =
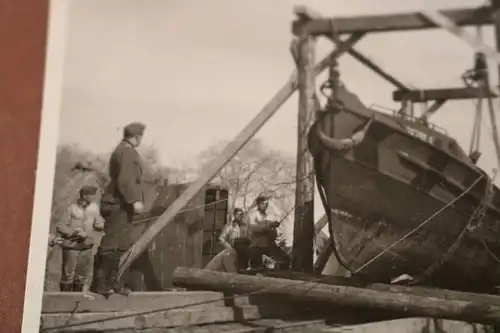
(125, 188)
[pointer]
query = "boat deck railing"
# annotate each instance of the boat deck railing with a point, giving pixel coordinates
(407, 117)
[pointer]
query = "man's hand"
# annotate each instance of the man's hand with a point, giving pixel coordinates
(274, 224)
(358, 137)
(138, 207)
(81, 233)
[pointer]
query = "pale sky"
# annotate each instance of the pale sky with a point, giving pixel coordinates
(196, 71)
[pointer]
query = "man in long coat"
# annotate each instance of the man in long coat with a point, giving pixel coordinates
(122, 199)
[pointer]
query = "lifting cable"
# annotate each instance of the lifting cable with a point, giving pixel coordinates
(476, 78)
(420, 225)
(474, 221)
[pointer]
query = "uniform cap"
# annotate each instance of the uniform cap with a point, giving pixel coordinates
(88, 190)
(134, 129)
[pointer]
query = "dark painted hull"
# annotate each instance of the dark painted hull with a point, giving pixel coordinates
(389, 185)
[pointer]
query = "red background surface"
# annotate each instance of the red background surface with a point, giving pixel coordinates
(23, 30)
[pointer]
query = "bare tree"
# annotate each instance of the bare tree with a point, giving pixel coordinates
(257, 169)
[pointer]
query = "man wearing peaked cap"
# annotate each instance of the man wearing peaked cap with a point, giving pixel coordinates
(122, 199)
(134, 129)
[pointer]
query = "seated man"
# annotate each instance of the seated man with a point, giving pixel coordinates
(263, 234)
(231, 260)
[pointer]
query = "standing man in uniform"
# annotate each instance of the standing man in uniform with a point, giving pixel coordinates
(123, 198)
(75, 236)
(263, 233)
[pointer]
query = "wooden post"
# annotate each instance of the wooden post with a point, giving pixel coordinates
(303, 233)
(496, 22)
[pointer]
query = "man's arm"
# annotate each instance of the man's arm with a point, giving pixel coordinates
(223, 237)
(63, 227)
(128, 184)
(255, 225)
(97, 219)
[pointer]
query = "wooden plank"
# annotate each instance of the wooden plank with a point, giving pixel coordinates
(232, 149)
(409, 325)
(254, 326)
(425, 95)
(400, 303)
(60, 302)
(84, 322)
(390, 22)
(303, 230)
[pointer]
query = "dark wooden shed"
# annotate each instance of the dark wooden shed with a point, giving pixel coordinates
(191, 239)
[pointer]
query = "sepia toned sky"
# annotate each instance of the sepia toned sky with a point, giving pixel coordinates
(196, 71)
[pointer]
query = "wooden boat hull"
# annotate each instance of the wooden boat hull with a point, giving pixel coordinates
(391, 183)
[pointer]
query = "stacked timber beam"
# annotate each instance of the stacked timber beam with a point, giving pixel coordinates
(392, 302)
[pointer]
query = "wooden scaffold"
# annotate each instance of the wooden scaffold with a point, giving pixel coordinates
(144, 312)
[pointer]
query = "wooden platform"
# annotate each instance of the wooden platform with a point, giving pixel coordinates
(147, 312)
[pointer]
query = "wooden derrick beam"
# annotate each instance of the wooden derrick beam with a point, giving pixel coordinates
(306, 14)
(391, 22)
(426, 95)
(406, 304)
(231, 149)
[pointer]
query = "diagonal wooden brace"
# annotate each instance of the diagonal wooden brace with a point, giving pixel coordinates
(432, 109)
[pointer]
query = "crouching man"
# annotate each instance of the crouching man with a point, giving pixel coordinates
(233, 259)
(76, 233)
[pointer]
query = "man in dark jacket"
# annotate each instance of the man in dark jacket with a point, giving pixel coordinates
(122, 199)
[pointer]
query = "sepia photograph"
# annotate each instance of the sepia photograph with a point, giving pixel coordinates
(264, 166)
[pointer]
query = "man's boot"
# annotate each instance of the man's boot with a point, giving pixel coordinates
(115, 283)
(66, 286)
(78, 286)
(100, 282)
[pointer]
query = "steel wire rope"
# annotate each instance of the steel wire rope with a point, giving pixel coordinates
(430, 218)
